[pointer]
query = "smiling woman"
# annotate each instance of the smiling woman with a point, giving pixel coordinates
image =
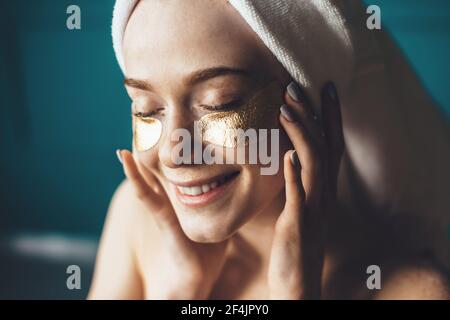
(225, 231)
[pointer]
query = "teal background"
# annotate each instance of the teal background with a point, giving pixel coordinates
(64, 112)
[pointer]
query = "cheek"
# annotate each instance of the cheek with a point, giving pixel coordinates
(268, 187)
(148, 160)
(260, 190)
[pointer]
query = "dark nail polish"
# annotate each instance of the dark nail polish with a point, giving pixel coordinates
(332, 92)
(294, 158)
(294, 92)
(284, 109)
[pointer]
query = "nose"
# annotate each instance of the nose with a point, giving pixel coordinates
(178, 123)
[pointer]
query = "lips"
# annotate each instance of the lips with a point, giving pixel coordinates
(204, 192)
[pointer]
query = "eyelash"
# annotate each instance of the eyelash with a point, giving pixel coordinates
(147, 114)
(225, 106)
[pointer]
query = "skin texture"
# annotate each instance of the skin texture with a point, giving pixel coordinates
(281, 236)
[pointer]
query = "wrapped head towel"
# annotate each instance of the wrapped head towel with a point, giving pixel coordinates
(297, 33)
(397, 139)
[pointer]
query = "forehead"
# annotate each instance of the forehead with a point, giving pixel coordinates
(170, 37)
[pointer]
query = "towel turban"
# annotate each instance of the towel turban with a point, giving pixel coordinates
(296, 32)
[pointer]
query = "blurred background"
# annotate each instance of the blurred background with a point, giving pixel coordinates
(64, 112)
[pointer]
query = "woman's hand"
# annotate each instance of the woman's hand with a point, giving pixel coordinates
(295, 270)
(186, 269)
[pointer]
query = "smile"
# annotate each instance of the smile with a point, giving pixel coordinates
(200, 193)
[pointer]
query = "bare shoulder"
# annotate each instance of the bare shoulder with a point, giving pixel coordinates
(419, 279)
(117, 273)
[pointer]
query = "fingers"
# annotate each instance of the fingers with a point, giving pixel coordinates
(319, 143)
(308, 153)
(290, 262)
(291, 215)
(332, 123)
(157, 203)
(332, 119)
(301, 106)
(140, 185)
(294, 188)
(150, 179)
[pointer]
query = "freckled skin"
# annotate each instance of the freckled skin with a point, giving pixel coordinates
(234, 236)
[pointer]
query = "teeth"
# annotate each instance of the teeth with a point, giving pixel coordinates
(214, 184)
(183, 190)
(197, 190)
(205, 188)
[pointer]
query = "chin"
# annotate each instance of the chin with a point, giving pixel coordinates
(206, 236)
(204, 230)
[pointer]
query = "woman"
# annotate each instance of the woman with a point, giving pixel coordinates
(225, 231)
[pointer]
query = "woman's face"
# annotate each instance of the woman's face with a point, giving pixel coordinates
(184, 59)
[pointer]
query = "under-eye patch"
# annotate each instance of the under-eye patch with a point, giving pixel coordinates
(223, 127)
(146, 132)
(260, 112)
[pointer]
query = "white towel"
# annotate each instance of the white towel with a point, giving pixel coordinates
(398, 141)
(297, 33)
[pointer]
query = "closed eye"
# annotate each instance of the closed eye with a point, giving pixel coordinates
(223, 107)
(148, 114)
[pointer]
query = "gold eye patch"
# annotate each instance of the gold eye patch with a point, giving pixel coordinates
(260, 112)
(146, 132)
(220, 128)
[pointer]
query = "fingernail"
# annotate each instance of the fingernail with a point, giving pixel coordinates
(286, 113)
(294, 92)
(294, 158)
(332, 92)
(119, 156)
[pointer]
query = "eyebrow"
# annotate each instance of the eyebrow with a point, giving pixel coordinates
(193, 78)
